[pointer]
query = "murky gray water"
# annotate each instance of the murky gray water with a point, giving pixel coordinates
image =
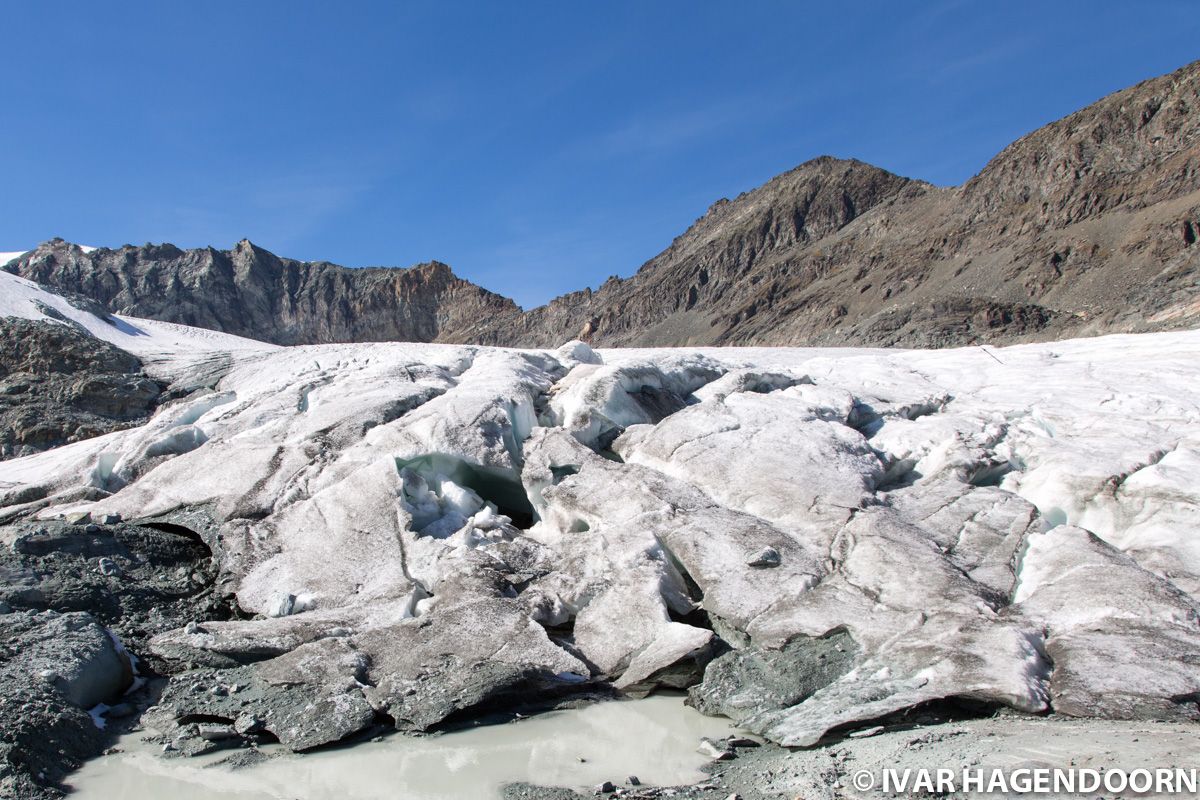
(655, 739)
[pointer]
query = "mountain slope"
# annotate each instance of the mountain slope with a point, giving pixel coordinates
(671, 300)
(1087, 225)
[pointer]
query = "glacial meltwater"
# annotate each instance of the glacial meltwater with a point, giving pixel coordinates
(654, 739)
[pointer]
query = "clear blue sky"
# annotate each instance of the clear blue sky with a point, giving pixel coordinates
(535, 147)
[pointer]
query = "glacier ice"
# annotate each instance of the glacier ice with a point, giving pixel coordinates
(418, 531)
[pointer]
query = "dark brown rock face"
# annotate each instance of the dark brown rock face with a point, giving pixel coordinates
(60, 385)
(251, 292)
(1088, 225)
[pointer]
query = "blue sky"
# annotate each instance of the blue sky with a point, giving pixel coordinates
(535, 147)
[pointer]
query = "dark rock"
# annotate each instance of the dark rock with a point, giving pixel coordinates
(741, 741)
(188, 742)
(767, 557)
(73, 386)
(52, 667)
(70, 652)
(307, 698)
(55, 665)
(742, 684)
(124, 575)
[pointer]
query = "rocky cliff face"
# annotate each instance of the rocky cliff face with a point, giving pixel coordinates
(251, 292)
(1088, 225)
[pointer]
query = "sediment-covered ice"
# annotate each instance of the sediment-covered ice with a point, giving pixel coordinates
(417, 532)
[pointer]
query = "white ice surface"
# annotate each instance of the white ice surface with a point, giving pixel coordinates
(1100, 433)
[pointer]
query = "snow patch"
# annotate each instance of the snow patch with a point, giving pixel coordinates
(25, 299)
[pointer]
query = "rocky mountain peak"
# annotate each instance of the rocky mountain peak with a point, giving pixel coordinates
(437, 268)
(246, 250)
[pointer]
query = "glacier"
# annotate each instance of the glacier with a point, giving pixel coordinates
(415, 533)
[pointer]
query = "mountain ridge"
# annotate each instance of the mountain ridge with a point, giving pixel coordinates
(1087, 225)
(1079, 227)
(249, 291)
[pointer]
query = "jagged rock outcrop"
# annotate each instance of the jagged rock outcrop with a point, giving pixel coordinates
(59, 384)
(251, 292)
